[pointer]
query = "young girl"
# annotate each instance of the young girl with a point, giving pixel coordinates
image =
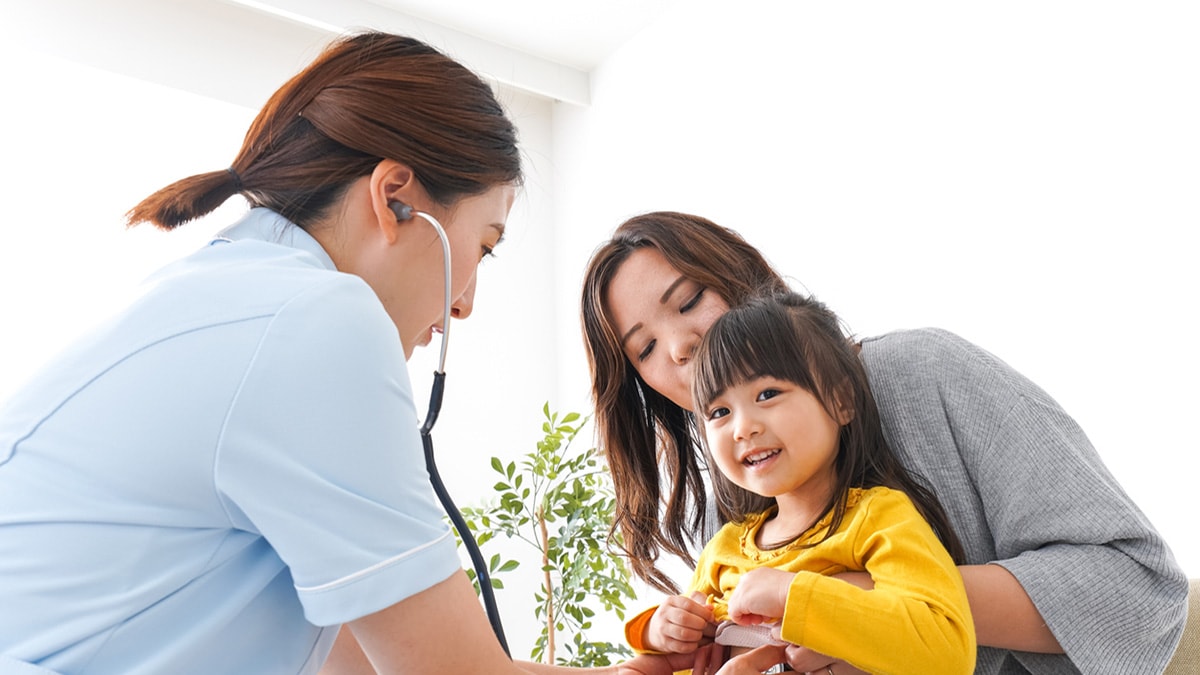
(810, 488)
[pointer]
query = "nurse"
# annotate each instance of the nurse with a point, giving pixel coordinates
(229, 469)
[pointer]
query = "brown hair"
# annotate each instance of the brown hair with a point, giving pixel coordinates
(637, 427)
(798, 339)
(367, 97)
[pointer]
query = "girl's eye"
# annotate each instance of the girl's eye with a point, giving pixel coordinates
(717, 413)
(693, 301)
(767, 394)
(488, 252)
(645, 353)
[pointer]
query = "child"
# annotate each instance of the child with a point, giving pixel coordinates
(809, 488)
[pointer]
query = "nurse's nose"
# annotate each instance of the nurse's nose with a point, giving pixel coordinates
(461, 307)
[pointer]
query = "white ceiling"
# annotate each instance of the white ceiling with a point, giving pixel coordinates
(545, 47)
(575, 33)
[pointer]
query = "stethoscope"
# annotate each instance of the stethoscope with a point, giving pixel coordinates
(405, 212)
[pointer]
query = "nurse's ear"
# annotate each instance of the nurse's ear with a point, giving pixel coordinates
(393, 185)
(403, 211)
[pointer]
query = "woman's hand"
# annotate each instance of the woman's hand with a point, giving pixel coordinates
(760, 596)
(680, 625)
(805, 660)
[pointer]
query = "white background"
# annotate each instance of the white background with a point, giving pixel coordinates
(1025, 174)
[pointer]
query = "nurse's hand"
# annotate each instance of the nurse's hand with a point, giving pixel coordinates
(704, 661)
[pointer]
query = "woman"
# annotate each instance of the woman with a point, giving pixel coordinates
(230, 469)
(1058, 558)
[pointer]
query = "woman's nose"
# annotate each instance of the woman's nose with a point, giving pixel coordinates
(461, 307)
(684, 347)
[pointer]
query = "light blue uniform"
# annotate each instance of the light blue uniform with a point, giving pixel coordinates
(224, 468)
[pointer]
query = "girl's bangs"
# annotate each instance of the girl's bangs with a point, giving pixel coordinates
(750, 342)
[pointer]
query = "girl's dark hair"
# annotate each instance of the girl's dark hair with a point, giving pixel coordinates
(367, 97)
(637, 427)
(798, 339)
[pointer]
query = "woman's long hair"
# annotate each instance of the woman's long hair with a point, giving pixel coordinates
(798, 339)
(367, 97)
(638, 428)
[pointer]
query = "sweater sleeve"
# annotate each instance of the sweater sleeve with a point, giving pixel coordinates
(1098, 572)
(916, 620)
(1025, 489)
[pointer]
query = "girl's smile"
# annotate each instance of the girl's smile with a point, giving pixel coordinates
(775, 438)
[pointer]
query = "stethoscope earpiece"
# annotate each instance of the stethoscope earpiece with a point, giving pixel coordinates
(403, 211)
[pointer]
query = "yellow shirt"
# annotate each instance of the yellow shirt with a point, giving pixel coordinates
(916, 620)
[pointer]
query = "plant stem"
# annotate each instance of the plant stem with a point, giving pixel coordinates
(549, 586)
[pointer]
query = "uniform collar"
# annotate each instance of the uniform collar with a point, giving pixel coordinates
(263, 224)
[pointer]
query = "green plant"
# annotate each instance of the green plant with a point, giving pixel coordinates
(561, 504)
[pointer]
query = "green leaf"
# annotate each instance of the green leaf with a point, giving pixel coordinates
(569, 492)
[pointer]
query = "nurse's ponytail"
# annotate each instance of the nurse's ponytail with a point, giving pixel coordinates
(367, 97)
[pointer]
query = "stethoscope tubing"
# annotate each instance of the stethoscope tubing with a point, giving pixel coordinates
(482, 577)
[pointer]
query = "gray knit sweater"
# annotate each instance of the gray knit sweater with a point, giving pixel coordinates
(1024, 488)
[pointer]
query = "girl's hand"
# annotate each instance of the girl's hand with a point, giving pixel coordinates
(760, 596)
(680, 624)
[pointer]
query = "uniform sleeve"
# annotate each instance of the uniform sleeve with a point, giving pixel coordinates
(321, 455)
(1094, 566)
(916, 620)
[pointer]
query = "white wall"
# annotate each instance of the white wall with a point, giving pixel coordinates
(102, 106)
(1022, 173)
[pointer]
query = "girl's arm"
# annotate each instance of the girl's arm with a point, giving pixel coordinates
(915, 620)
(1004, 615)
